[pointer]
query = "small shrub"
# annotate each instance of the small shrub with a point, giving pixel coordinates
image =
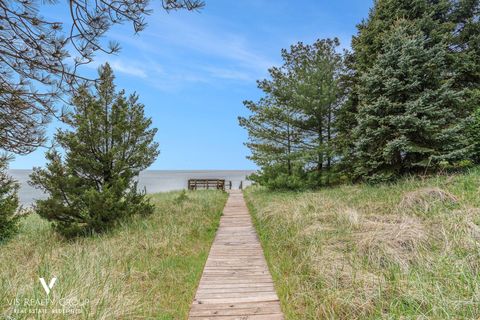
(275, 178)
(181, 198)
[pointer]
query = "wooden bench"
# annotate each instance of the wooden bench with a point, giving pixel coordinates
(219, 184)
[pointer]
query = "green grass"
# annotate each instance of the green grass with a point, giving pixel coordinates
(148, 268)
(409, 250)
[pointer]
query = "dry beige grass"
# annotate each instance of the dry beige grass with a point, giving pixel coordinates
(426, 198)
(410, 250)
(148, 268)
(386, 240)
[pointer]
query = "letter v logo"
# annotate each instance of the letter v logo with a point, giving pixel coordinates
(48, 287)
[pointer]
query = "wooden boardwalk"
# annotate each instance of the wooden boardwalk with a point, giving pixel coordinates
(236, 282)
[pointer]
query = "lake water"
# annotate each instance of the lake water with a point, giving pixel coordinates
(152, 180)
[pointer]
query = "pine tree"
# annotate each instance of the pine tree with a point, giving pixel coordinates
(346, 120)
(8, 202)
(474, 136)
(466, 63)
(291, 130)
(367, 45)
(93, 185)
(274, 142)
(316, 95)
(409, 116)
(40, 57)
(453, 25)
(431, 16)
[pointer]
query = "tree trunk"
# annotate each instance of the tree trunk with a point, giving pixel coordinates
(289, 150)
(329, 138)
(320, 153)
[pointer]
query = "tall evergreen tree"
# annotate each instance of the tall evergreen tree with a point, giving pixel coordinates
(367, 45)
(452, 24)
(408, 117)
(274, 138)
(299, 110)
(474, 136)
(93, 185)
(316, 95)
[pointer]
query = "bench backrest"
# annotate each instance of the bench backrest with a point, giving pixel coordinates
(194, 184)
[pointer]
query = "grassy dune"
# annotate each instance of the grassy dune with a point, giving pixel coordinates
(410, 250)
(146, 269)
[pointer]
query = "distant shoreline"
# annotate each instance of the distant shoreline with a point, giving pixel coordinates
(177, 170)
(153, 181)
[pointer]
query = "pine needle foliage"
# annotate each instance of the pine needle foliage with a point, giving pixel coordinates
(92, 184)
(8, 202)
(410, 113)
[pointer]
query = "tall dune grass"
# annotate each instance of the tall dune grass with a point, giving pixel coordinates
(410, 250)
(148, 268)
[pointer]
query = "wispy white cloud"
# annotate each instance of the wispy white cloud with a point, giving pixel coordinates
(181, 49)
(127, 68)
(123, 65)
(200, 37)
(229, 74)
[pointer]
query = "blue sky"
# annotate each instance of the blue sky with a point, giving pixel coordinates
(192, 70)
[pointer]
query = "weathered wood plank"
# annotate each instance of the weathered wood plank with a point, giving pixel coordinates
(236, 282)
(242, 311)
